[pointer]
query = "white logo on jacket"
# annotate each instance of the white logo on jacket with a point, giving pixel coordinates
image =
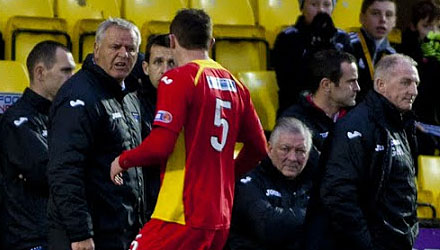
(272, 192)
(78, 102)
(116, 115)
(20, 121)
(379, 148)
(354, 134)
(245, 180)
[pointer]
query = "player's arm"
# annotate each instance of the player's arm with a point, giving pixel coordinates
(172, 96)
(254, 142)
(153, 151)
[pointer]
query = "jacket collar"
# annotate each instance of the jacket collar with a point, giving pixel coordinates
(384, 46)
(106, 81)
(41, 104)
(385, 112)
(274, 173)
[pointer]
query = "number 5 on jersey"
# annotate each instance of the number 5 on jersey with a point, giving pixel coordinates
(220, 122)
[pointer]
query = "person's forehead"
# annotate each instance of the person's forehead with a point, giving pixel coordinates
(119, 33)
(159, 49)
(382, 6)
(288, 137)
(404, 70)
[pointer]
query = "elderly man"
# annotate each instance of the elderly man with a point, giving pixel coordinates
(24, 151)
(270, 201)
(368, 188)
(93, 119)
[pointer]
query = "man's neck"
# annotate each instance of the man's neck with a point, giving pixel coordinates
(326, 105)
(185, 56)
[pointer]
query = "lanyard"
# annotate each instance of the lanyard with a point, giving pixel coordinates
(366, 53)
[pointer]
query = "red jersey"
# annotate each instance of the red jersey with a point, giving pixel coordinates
(211, 110)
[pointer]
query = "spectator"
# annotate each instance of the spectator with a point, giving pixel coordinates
(270, 201)
(369, 187)
(294, 43)
(370, 43)
(93, 119)
(24, 152)
(210, 110)
(333, 84)
(425, 17)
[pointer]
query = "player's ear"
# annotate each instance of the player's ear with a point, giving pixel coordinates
(172, 41)
(211, 42)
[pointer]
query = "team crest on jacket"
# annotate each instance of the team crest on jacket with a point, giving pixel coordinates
(163, 116)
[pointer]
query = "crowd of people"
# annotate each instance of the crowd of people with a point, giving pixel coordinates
(136, 151)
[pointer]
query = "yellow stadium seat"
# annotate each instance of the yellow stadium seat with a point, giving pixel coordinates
(274, 16)
(78, 66)
(83, 18)
(230, 12)
(14, 79)
(151, 16)
(429, 175)
(346, 13)
(263, 88)
(27, 22)
(240, 44)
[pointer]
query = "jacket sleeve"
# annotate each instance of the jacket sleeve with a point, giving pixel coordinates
(345, 171)
(26, 153)
(271, 225)
(70, 143)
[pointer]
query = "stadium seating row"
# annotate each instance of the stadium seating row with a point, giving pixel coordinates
(428, 180)
(244, 29)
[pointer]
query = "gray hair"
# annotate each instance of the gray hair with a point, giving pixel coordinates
(291, 125)
(120, 23)
(388, 63)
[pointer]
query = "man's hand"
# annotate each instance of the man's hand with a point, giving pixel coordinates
(83, 245)
(116, 172)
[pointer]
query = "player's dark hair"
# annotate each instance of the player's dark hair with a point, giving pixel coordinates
(192, 28)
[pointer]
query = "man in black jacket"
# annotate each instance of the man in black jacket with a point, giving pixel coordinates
(24, 152)
(333, 84)
(270, 201)
(368, 187)
(93, 119)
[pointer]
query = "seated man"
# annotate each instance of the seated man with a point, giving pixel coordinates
(293, 43)
(370, 43)
(270, 201)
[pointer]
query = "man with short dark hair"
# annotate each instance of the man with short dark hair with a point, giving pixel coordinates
(202, 111)
(333, 85)
(370, 43)
(270, 202)
(93, 119)
(368, 188)
(24, 150)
